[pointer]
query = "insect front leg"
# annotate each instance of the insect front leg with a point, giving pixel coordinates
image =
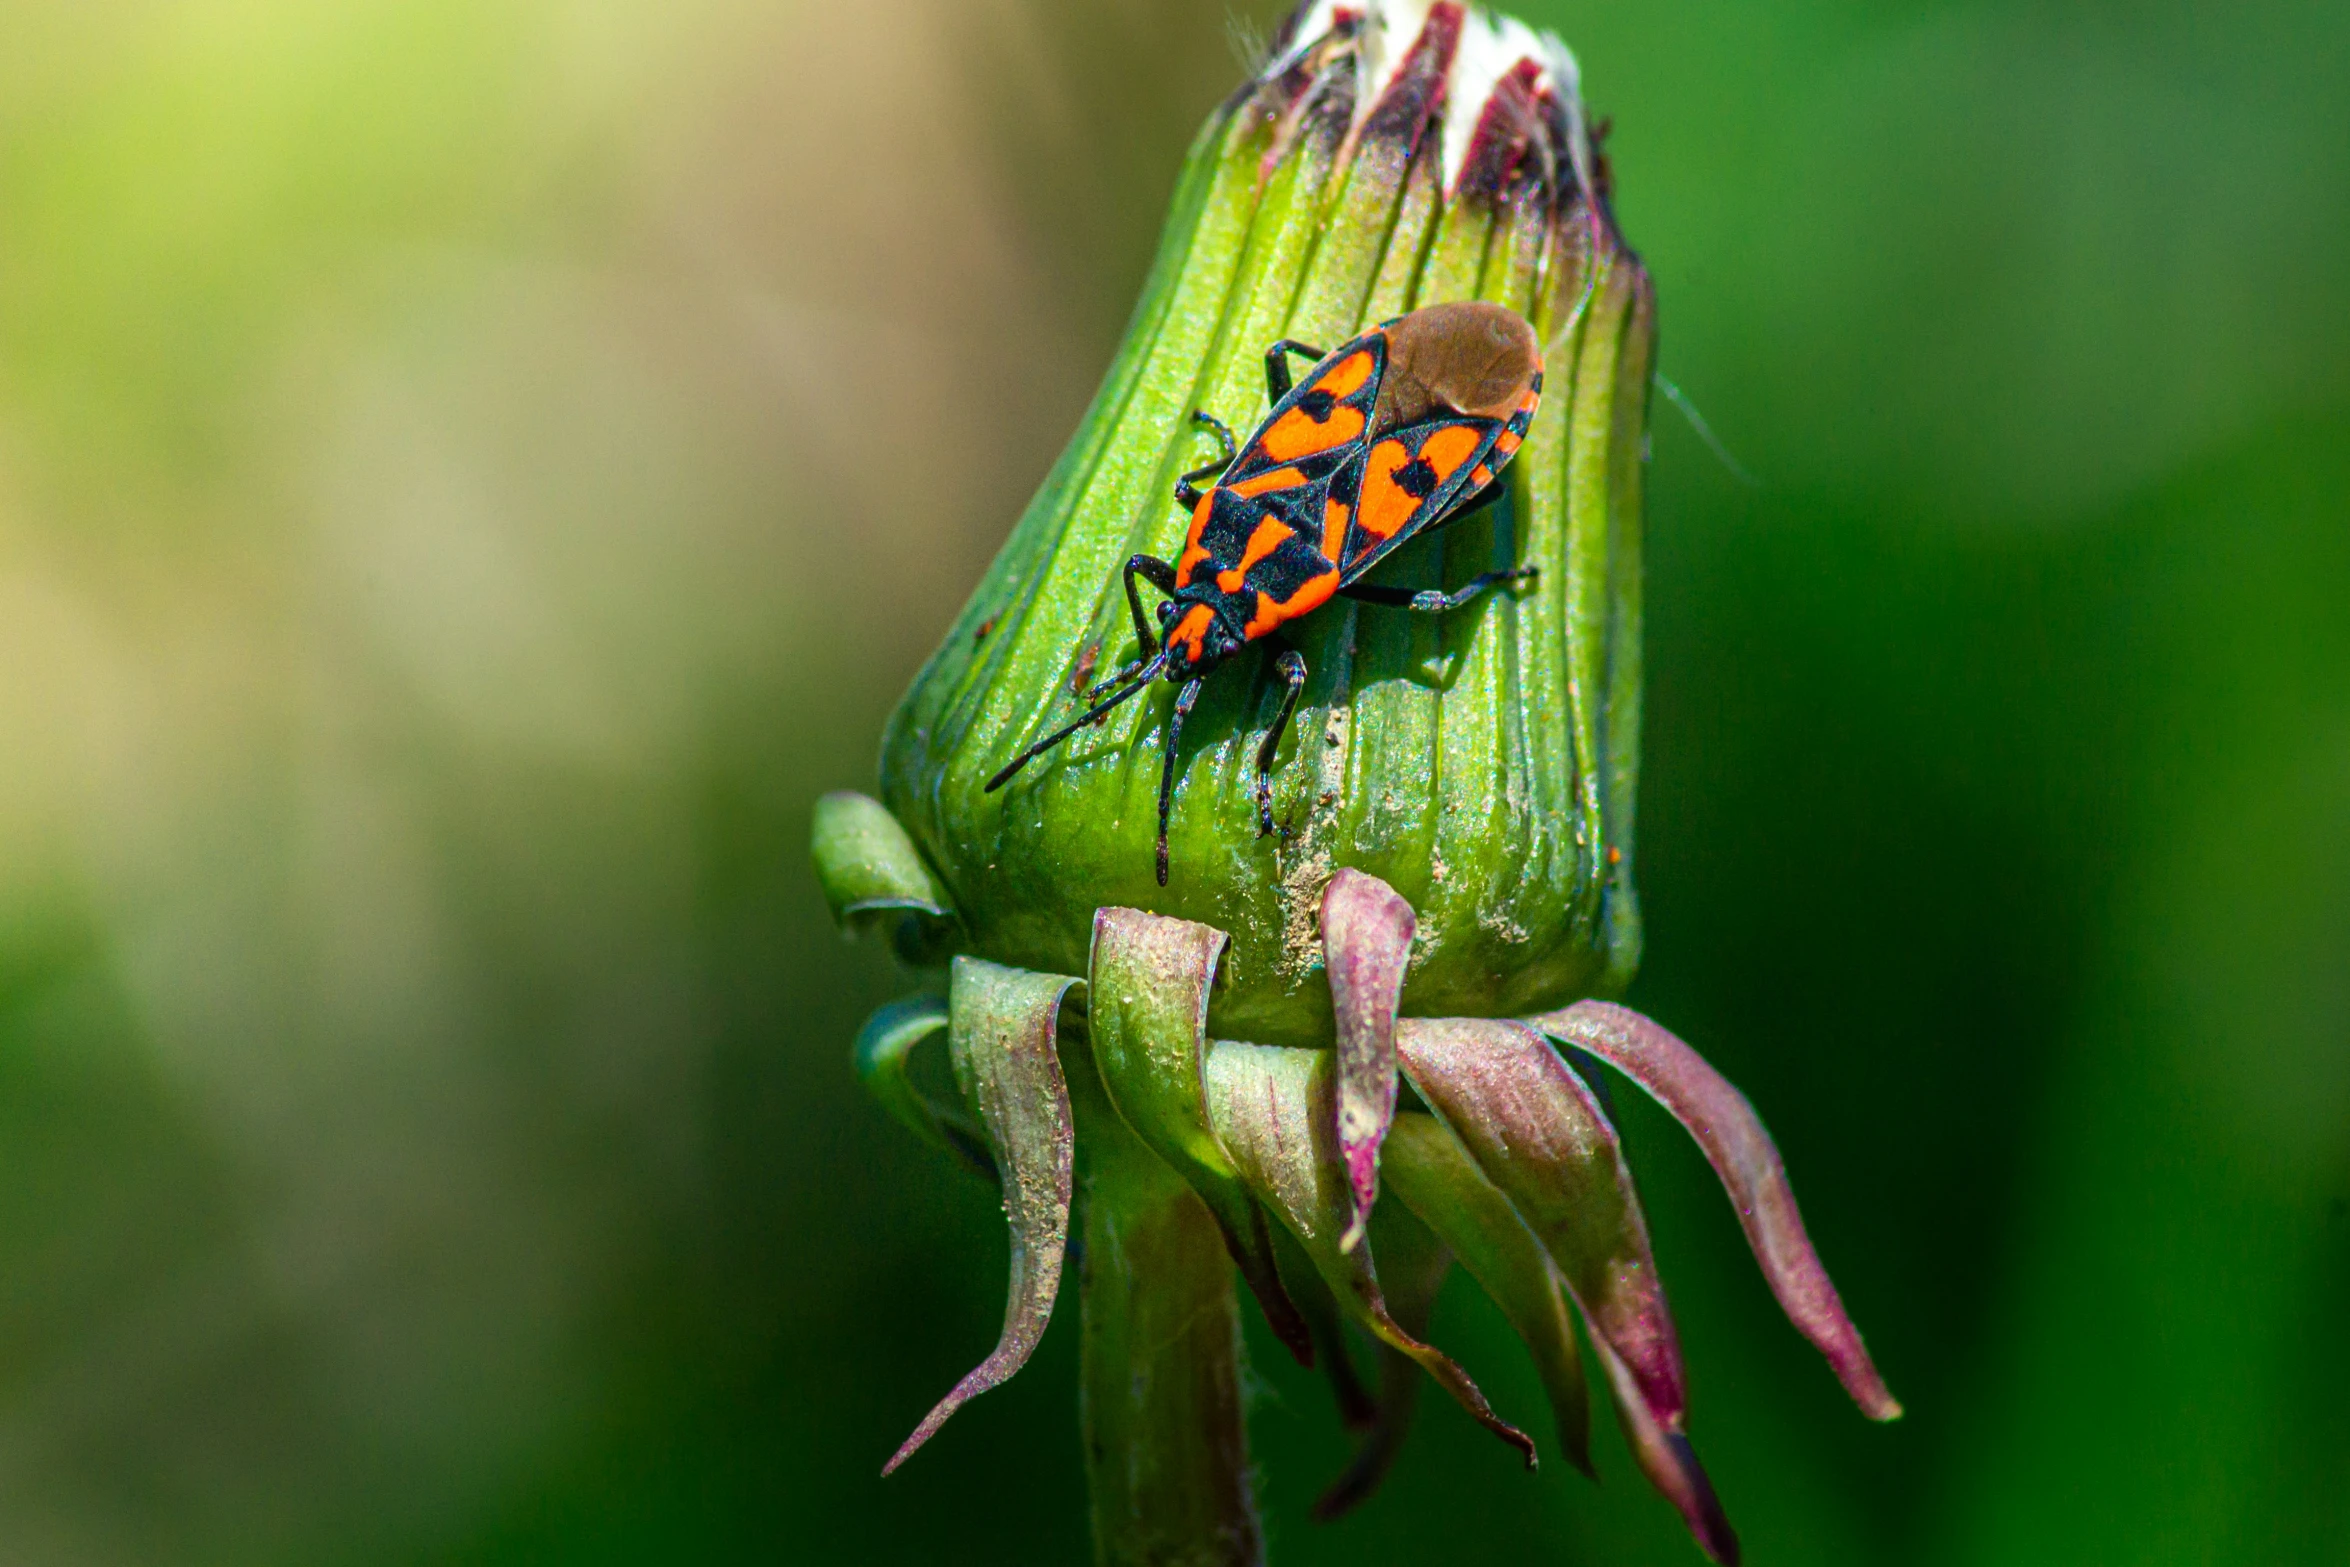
(1277, 366)
(1185, 699)
(1291, 667)
(1160, 575)
(1187, 486)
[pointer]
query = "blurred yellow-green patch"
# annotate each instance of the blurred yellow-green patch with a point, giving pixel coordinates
(472, 475)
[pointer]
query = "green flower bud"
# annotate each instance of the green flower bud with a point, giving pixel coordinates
(1207, 1076)
(1480, 762)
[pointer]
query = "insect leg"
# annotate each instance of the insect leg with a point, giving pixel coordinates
(1434, 602)
(1277, 366)
(1187, 486)
(1290, 666)
(1184, 700)
(1159, 575)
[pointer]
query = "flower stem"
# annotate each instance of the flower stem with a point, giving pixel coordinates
(1166, 1444)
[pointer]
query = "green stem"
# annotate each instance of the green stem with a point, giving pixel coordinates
(1166, 1444)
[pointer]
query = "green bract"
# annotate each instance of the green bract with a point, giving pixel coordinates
(1208, 1080)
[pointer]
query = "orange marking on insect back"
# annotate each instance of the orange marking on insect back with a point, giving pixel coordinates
(1311, 595)
(1480, 476)
(1298, 433)
(1268, 538)
(1278, 479)
(1385, 506)
(1506, 443)
(1190, 633)
(1346, 377)
(1335, 516)
(1449, 447)
(1194, 553)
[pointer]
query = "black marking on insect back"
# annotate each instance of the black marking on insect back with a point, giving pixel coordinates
(1317, 403)
(1346, 485)
(1289, 568)
(1416, 479)
(1231, 523)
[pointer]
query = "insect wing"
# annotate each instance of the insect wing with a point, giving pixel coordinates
(1321, 422)
(1407, 481)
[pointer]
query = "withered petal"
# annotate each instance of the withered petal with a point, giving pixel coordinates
(1001, 1035)
(1431, 1172)
(1669, 1462)
(1742, 1154)
(1539, 1135)
(1367, 934)
(1149, 1022)
(1271, 1106)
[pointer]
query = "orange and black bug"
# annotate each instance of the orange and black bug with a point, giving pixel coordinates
(1391, 434)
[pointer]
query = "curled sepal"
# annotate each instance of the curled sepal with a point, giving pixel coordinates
(885, 1065)
(1537, 1133)
(1367, 934)
(1427, 1168)
(1001, 1036)
(875, 878)
(1149, 996)
(1742, 1154)
(1414, 1265)
(1272, 1108)
(1669, 1462)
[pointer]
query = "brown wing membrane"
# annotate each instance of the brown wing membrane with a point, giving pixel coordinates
(1409, 480)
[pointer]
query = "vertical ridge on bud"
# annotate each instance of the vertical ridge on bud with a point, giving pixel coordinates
(1628, 466)
(1595, 448)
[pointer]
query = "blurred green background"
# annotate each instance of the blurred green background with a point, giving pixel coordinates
(471, 473)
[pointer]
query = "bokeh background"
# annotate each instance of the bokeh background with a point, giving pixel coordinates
(471, 473)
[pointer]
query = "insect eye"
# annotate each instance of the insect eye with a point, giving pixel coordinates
(1166, 610)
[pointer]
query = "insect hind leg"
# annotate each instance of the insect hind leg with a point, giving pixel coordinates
(1434, 601)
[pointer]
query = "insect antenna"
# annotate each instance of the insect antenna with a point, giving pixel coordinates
(1142, 677)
